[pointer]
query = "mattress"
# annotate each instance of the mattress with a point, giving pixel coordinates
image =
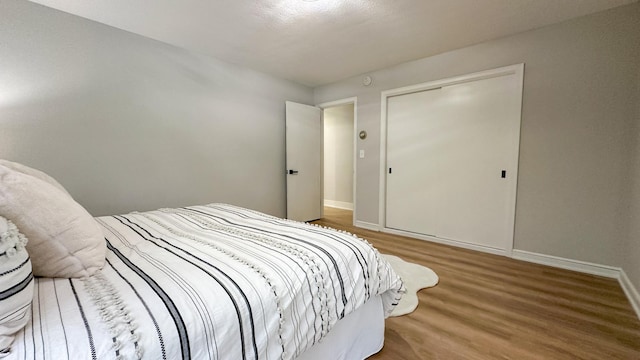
(208, 282)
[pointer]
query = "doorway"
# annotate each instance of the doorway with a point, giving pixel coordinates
(339, 149)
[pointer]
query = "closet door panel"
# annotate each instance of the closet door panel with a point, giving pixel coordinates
(414, 185)
(478, 148)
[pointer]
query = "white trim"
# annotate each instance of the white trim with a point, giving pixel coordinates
(338, 204)
(367, 225)
(568, 264)
(517, 70)
(382, 192)
(630, 291)
(354, 101)
(335, 103)
(588, 268)
(321, 163)
(456, 243)
(480, 75)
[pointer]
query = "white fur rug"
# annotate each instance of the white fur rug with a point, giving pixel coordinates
(415, 277)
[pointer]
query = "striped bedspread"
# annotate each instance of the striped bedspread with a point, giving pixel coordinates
(206, 282)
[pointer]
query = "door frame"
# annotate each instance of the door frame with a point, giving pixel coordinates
(518, 70)
(346, 101)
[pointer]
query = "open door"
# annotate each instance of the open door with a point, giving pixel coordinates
(304, 151)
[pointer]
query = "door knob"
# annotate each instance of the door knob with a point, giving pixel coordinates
(293, 172)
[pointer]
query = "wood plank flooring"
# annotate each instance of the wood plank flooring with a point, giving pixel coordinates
(493, 307)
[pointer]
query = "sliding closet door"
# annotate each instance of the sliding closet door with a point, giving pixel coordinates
(413, 173)
(450, 168)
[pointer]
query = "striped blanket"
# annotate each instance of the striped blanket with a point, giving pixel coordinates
(206, 282)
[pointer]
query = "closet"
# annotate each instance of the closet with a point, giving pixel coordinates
(451, 158)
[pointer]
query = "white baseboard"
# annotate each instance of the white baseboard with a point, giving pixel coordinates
(588, 268)
(338, 204)
(555, 261)
(455, 243)
(630, 291)
(367, 225)
(568, 264)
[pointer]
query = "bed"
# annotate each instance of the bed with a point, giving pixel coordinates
(216, 282)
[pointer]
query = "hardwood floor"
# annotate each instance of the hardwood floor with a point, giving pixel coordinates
(493, 307)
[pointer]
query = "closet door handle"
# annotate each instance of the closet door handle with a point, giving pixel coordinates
(293, 172)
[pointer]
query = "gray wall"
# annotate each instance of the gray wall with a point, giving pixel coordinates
(580, 94)
(128, 123)
(338, 153)
(632, 253)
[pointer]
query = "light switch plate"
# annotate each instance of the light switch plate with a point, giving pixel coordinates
(361, 154)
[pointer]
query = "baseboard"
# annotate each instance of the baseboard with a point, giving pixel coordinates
(568, 264)
(588, 268)
(460, 244)
(630, 291)
(338, 204)
(367, 225)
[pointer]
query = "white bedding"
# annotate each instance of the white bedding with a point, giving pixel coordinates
(207, 282)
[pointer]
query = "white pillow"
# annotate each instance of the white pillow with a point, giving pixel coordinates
(16, 284)
(33, 172)
(64, 239)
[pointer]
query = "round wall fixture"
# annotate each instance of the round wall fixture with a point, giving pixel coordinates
(367, 80)
(362, 135)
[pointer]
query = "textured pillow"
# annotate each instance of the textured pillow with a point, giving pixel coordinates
(33, 172)
(16, 284)
(64, 239)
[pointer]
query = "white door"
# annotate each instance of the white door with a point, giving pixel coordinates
(450, 168)
(411, 171)
(304, 149)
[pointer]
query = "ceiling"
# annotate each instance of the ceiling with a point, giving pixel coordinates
(323, 41)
